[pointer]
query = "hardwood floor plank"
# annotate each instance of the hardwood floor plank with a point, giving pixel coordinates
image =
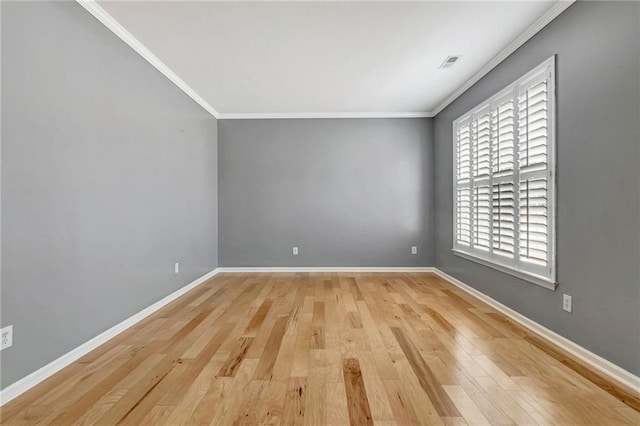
(208, 406)
(100, 368)
(186, 393)
(247, 414)
(441, 321)
(178, 382)
(316, 401)
(94, 392)
(425, 410)
(337, 410)
(376, 394)
(134, 395)
(467, 407)
(357, 294)
(227, 409)
(317, 338)
(428, 381)
(270, 353)
(357, 401)
(294, 405)
(354, 319)
(403, 412)
(236, 357)
(300, 363)
(318, 314)
(258, 318)
(270, 408)
(502, 399)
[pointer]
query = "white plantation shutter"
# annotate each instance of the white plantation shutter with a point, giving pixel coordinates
(504, 182)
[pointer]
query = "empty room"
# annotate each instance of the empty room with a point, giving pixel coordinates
(320, 212)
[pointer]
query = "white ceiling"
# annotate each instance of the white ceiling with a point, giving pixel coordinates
(349, 58)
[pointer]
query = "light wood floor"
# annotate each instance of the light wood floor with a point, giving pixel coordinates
(325, 349)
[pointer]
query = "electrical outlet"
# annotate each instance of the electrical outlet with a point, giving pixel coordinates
(176, 268)
(6, 337)
(414, 249)
(567, 303)
(295, 251)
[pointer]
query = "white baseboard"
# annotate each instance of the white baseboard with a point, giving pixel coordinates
(26, 383)
(597, 362)
(329, 269)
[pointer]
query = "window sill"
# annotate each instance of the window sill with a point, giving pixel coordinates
(534, 279)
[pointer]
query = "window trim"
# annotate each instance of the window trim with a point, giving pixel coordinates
(547, 69)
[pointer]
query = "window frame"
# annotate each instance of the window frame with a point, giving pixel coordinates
(544, 276)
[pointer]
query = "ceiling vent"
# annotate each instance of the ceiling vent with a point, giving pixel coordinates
(450, 61)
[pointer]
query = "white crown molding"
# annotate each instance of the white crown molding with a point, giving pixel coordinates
(99, 13)
(551, 14)
(21, 386)
(326, 269)
(598, 363)
(290, 115)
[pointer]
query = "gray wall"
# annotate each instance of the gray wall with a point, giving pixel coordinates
(347, 192)
(108, 178)
(598, 138)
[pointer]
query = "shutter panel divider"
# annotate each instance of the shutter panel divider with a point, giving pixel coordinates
(471, 178)
(492, 106)
(516, 177)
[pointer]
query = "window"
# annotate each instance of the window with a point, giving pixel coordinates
(504, 179)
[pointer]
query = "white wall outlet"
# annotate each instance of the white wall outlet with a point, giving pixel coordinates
(295, 251)
(6, 337)
(176, 267)
(567, 303)
(414, 249)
